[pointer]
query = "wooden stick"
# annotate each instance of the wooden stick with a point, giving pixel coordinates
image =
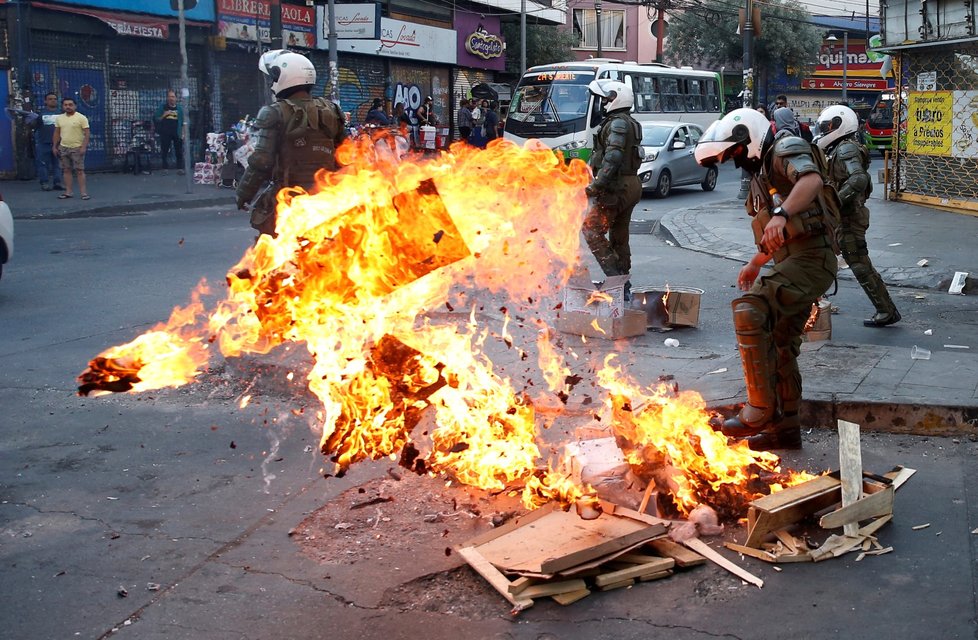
(570, 598)
(520, 584)
(706, 551)
(635, 571)
(645, 497)
(850, 468)
(498, 581)
(684, 557)
(875, 504)
(553, 588)
(750, 551)
(617, 585)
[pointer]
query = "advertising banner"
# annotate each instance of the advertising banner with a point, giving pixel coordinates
(352, 21)
(930, 121)
(852, 84)
(204, 11)
(480, 42)
(251, 19)
(407, 41)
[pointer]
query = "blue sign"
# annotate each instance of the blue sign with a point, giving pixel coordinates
(204, 11)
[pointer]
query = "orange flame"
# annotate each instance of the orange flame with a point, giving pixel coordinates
(355, 272)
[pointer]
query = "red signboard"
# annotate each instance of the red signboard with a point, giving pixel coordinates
(249, 20)
(852, 84)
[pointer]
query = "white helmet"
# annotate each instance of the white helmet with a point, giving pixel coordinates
(618, 94)
(835, 123)
(287, 69)
(743, 134)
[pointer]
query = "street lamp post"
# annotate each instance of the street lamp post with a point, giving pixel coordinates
(845, 61)
(597, 26)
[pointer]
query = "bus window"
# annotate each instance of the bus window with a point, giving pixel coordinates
(695, 100)
(672, 100)
(712, 95)
(646, 90)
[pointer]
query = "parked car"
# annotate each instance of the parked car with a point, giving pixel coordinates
(669, 160)
(6, 234)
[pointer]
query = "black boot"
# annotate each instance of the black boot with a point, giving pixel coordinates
(785, 434)
(741, 426)
(883, 319)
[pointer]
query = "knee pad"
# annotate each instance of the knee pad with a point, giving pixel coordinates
(750, 314)
(860, 269)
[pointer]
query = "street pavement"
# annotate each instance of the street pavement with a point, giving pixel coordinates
(190, 503)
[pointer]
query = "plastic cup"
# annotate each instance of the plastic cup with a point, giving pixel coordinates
(919, 353)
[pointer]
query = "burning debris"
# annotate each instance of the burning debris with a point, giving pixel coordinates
(354, 273)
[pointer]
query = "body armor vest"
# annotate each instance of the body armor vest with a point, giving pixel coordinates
(632, 132)
(308, 142)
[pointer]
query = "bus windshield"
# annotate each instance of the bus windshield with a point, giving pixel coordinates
(551, 97)
(881, 117)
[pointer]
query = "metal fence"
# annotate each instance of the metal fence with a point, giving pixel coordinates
(935, 156)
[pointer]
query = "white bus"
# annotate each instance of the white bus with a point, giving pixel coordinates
(553, 105)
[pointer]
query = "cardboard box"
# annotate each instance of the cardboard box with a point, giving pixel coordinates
(632, 323)
(605, 300)
(668, 306)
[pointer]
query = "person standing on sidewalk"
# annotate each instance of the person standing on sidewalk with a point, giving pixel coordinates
(297, 136)
(465, 121)
(48, 166)
(793, 221)
(615, 188)
(70, 140)
(169, 127)
(848, 163)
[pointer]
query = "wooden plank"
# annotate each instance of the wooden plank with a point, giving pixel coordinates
(520, 584)
(874, 526)
(850, 469)
(553, 588)
(654, 576)
(684, 557)
(657, 565)
(560, 540)
(899, 475)
(791, 496)
(584, 567)
(618, 510)
(869, 506)
(645, 497)
(570, 598)
(638, 558)
(617, 585)
(788, 540)
(766, 523)
(498, 581)
(512, 525)
(750, 551)
(706, 551)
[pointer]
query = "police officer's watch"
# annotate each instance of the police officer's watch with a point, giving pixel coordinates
(779, 211)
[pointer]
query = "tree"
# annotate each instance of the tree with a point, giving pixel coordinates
(708, 34)
(544, 45)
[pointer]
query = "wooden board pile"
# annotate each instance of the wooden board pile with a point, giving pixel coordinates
(556, 554)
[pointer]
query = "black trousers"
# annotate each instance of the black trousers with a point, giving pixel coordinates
(167, 139)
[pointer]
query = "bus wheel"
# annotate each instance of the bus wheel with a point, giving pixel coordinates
(664, 185)
(710, 180)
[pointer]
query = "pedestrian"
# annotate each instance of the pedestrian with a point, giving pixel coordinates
(838, 127)
(426, 114)
(762, 110)
(70, 142)
(780, 100)
(793, 223)
(169, 128)
(615, 188)
(490, 123)
(785, 123)
(48, 166)
(465, 121)
(297, 136)
(376, 116)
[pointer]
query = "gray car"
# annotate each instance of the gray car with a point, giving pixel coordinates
(669, 160)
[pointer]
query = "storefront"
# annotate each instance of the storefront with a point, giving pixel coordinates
(480, 54)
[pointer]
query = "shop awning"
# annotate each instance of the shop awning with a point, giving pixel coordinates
(125, 24)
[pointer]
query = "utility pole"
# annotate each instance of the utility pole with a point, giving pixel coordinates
(597, 20)
(845, 60)
(185, 99)
(748, 93)
(660, 29)
(334, 65)
(522, 36)
(275, 24)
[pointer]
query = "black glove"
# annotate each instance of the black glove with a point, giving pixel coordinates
(592, 190)
(242, 204)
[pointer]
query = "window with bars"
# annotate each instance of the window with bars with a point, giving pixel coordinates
(612, 28)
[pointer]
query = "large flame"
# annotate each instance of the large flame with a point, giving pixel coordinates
(354, 274)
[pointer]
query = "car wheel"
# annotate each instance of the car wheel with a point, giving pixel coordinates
(710, 180)
(664, 185)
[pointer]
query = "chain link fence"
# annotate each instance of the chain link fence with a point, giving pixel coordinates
(935, 152)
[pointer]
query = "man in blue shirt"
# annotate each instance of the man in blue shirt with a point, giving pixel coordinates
(48, 166)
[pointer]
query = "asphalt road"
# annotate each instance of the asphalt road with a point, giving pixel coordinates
(183, 500)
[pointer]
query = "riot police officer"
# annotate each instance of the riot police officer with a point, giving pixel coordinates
(793, 220)
(615, 189)
(297, 136)
(848, 163)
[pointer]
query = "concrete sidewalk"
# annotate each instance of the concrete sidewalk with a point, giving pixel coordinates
(112, 194)
(878, 386)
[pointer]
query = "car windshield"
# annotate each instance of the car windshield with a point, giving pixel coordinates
(551, 99)
(655, 135)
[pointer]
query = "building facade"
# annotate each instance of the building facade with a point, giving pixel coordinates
(118, 59)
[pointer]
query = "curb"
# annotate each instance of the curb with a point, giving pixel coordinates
(128, 208)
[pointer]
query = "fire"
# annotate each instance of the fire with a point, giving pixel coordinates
(354, 274)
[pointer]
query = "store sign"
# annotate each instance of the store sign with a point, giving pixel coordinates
(856, 57)
(141, 29)
(250, 20)
(352, 21)
(407, 41)
(483, 44)
(930, 120)
(204, 11)
(852, 84)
